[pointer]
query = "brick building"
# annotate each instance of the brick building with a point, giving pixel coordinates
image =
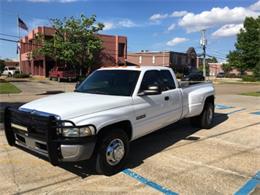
(114, 52)
(177, 60)
(12, 64)
(215, 68)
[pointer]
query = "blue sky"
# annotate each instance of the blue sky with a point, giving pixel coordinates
(149, 25)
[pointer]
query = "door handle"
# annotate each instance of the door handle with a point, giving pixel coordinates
(166, 98)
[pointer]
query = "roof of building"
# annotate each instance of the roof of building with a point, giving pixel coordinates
(51, 28)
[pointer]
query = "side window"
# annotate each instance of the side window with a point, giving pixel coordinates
(167, 80)
(151, 77)
(121, 49)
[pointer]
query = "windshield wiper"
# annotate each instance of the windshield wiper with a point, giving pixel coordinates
(95, 92)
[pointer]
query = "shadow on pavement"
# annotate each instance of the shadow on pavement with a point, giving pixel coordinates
(160, 140)
(18, 80)
(3, 105)
(51, 92)
(148, 146)
(145, 147)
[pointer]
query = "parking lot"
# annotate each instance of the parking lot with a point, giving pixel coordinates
(178, 159)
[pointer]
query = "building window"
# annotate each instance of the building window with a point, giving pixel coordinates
(140, 59)
(121, 49)
(153, 61)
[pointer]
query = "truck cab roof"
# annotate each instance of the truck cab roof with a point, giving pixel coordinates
(137, 68)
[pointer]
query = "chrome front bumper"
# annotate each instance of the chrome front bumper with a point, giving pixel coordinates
(68, 153)
(38, 134)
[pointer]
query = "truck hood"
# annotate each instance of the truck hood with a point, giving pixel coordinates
(74, 104)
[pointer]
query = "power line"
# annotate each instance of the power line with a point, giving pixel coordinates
(7, 35)
(217, 57)
(215, 51)
(9, 40)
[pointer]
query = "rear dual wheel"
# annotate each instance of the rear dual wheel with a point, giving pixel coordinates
(205, 119)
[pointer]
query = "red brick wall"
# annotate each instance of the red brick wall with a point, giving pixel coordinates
(149, 59)
(108, 56)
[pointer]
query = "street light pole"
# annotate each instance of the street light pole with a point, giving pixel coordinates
(203, 43)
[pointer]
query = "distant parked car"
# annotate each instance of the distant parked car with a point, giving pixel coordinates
(62, 73)
(220, 75)
(10, 71)
(194, 76)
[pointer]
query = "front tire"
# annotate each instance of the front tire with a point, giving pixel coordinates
(206, 118)
(112, 152)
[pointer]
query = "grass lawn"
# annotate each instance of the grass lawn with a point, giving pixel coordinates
(6, 87)
(257, 93)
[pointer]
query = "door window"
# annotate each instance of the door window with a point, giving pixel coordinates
(151, 77)
(167, 80)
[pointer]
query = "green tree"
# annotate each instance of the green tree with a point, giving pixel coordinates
(74, 42)
(2, 65)
(213, 59)
(247, 52)
(257, 71)
(226, 68)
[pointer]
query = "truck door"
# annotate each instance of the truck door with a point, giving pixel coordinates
(149, 109)
(172, 98)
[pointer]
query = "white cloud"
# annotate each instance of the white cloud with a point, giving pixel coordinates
(123, 23)
(108, 25)
(158, 17)
(255, 6)
(216, 16)
(178, 13)
(126, 23)
(171, 27)
(228, 30)
(176, 40)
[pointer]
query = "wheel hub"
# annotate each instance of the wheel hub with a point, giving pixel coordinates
(115, 152)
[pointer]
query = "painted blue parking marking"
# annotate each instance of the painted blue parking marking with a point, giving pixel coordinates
(148, 182)
(229, 113)
(256, 113)
(222, 107)
(249, 186)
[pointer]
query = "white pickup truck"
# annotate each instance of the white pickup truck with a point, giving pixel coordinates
(10, 71)
(108, 110)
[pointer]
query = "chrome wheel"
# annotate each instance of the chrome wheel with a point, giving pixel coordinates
(115, 152)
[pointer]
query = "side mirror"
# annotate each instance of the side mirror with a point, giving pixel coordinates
(151, 90)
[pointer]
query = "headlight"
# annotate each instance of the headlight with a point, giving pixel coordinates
(78, 131)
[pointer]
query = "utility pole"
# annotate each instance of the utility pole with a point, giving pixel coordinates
(203, 43)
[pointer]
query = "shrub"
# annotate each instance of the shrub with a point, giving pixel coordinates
(256, 71)
(21, 75)
(231, 75)
(249, 78)
(179, 75)
(81, 78)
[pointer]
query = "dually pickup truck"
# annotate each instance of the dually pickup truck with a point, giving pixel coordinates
(110, 108)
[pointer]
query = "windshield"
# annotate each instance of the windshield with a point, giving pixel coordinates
(110, 82)
(12, 68)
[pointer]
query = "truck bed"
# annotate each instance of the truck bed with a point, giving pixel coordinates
(194, 96)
